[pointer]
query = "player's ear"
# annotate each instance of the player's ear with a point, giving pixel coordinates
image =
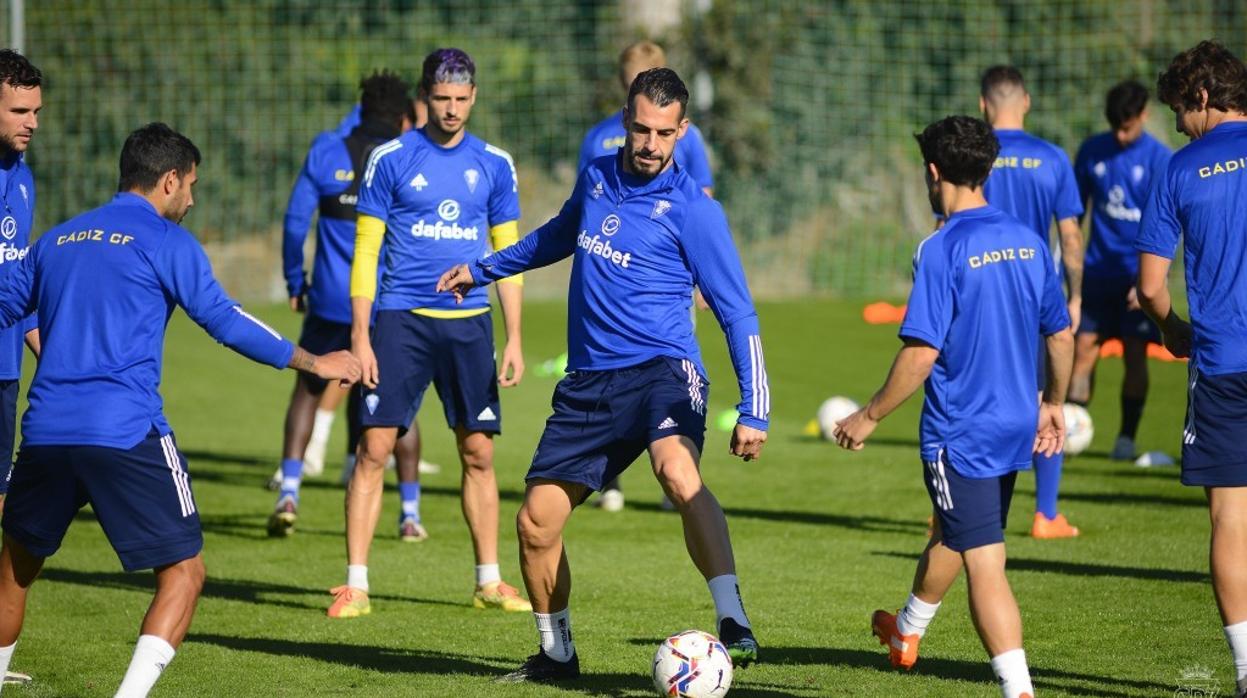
(683, 129)
(1203, 99)
(1026, 102)
(169, 182)
(933, 173)
(983, 106)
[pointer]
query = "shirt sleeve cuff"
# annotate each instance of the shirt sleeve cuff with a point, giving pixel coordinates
(910, 332)
(1152, 248)
(753, 422)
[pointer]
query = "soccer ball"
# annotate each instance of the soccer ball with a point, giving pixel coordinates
(692, 664)
(831, 411)
(1078, 429)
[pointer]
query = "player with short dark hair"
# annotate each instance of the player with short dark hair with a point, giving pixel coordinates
(1033, 181)
(105, 284)
(984, 288)
(642, 234)
(1115, 171)
(1200, 198)
(329, 184)
(431, 195)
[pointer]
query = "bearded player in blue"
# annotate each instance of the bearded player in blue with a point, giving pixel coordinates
(1201, 199)
(432, 195)
(105, 285)
(1032, 180)
(984, 288)
(1115, 171)
(642, 234)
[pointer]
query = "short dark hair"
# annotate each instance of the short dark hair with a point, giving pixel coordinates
(447, 65)
(150, 152)
(662, 86)
(962, 148)
(1000, 79)
(16, 71)
(1125, 101)
(1208, 66)
(385, 96)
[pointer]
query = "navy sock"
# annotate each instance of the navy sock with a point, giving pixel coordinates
(1131, 413)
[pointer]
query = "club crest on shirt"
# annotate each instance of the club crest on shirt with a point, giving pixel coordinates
(660, 207)
(1100, 169)
(471, 177)
(1137, 173)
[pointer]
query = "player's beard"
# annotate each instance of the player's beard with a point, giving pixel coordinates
(9, 144)
(630, 156)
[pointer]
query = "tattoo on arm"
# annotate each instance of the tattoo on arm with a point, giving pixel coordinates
(302, 360)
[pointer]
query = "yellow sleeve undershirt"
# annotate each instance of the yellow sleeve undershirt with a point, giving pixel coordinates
(369, 232)
(500, 236)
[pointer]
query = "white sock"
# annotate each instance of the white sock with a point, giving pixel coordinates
(487, 574)
(322, 425)
(915, 617)
(357, 577)
(151, 655)
(1236, 635)
(556, 634)
(725, 591)
(1013, 674)
(6, 654)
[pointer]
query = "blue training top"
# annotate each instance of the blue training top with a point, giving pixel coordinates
(607, 136)
(438, 205)
(1032, 181)
(17, 217)
(1202, 196)
(105, 285)
(326, 183)
(983, 289)
(640, 245)
(1116, 181)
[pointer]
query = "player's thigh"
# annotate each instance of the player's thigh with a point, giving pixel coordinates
(44, 496)
(1216, 430)
(142, 497)
(405, 350)
(972, 512)
(466, 374)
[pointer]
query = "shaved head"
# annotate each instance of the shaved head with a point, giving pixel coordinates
(1002, 85)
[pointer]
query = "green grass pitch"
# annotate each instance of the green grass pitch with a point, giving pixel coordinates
(823, 537)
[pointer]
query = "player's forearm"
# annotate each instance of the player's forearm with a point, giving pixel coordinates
(511, 298)
(301, 360)
(1153, 288)
(361, 318)
(1060, 364)
(1072, 255)
(909, 370)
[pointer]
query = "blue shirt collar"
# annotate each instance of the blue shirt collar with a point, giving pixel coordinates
(126, 198)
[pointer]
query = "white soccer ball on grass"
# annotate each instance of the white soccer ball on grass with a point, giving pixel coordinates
(1078, 429)
(692, 664)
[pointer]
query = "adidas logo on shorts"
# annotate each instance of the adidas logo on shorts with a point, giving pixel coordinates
(668, 423)
(487, 415)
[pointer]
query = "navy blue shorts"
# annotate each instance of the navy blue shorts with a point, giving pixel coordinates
(1104, 311)
(456, 354)
(972, 511)
(141, 496)
(8, 430)
(321, 336)
(603, 420)
(1215, 431)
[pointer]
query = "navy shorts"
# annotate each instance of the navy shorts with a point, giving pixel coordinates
(8, 430)
(141, 496)
(972, 511)
(604, 420)
(321, 336)
(1215, 431)
(1104, 311)
(456, 354)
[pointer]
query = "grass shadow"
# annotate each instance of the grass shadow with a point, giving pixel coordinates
(1111, 498)
(1083, 569)
(869, 524)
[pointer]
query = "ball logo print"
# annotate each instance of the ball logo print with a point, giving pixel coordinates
(610, 225)
(692, 664)
(8, 227)
(448, 210)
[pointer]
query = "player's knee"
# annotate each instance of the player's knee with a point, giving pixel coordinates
(373, 453)
(680, 481)
(477, 452)
(186, 577)
(532, 533)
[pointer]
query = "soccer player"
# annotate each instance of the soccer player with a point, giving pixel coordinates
(643, 233)
(984, 288)
(430, 195)
(607, 137)
(1201, 197)
(328, 184)
(105, 284)
(1115, 170)
(1033, 181)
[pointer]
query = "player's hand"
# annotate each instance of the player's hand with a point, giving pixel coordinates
(747, 442)
(338, 365)
(458, 280)
(1132, 299)
(1075, 313)
(1050, 434)
(298, 303)
(852, 431)
(369, 376)
(512, 370)
(1176, 334)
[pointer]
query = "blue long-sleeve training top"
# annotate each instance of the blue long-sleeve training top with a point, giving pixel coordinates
(105, 285)
(17, 216)
(640, 245)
